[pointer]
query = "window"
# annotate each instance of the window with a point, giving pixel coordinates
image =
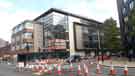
(124, 10)
(131, 5)
(126, 19)
(28, 35)
(29, 25)
(125, 1)
(25, 45)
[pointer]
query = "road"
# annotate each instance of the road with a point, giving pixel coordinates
(105, 70)
(9, 70)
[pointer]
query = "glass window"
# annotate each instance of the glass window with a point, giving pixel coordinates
(28, 25)
(131, 5)
(126, 19)
(124, 10)
(24, 45)
(28, 35)
(125, 1)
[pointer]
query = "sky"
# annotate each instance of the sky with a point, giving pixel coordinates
(12, 12)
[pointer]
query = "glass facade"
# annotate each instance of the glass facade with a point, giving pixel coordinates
(61, 34)
(28, 35)
(124, 9)
(21, 36)
(86, 37)
(55, 31)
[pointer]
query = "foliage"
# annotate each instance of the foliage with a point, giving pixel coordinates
(131, 22)
(111, 34)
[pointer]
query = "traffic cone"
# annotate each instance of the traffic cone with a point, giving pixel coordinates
(79, 69)
(35, 69)
(112, 70)
(98, 69)
(85, 70)
(125, 70)
(71, 67)
(45, 68)
(49, 70)
(59, 69)
(39, 70)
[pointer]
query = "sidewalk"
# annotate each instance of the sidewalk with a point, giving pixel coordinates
(119, 63)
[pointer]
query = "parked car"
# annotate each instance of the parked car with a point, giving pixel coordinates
(73, 58)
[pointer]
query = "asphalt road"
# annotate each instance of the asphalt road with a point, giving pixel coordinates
(9, 70)
(105, 70)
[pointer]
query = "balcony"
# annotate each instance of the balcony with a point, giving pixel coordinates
(30, 40)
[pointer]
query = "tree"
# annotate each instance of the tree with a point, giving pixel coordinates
(131, 22)
(111, 34)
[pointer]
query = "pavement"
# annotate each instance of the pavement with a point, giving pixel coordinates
(119, 62)
(10, 70)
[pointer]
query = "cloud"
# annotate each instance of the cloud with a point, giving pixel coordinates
(95, 9)
(9, 20)
(5, 5)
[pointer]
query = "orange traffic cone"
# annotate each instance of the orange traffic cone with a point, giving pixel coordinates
(71, 67)
(112, 70)
(79, 69)
(39, 70)
(49, 70)
(86, 70)
(125, 70)
(45, 70)
(59, 69)
(98, 70)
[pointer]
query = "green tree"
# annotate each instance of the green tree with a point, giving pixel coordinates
(131, 22)
(111, 34)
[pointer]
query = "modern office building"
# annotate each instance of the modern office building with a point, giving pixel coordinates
(63, 31)
(27, 37)
(124, 9)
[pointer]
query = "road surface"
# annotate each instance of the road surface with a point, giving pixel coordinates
(9, 70)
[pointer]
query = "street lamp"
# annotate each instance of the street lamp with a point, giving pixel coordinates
(99, 44)
(27, 49)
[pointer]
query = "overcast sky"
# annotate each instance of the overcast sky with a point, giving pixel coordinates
(12, 12)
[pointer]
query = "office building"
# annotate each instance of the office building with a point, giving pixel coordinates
(27, 37)
(64, 31)
(124, 9)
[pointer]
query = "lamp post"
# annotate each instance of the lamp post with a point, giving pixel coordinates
(98, 37)
(99, 44)
(27, 49)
